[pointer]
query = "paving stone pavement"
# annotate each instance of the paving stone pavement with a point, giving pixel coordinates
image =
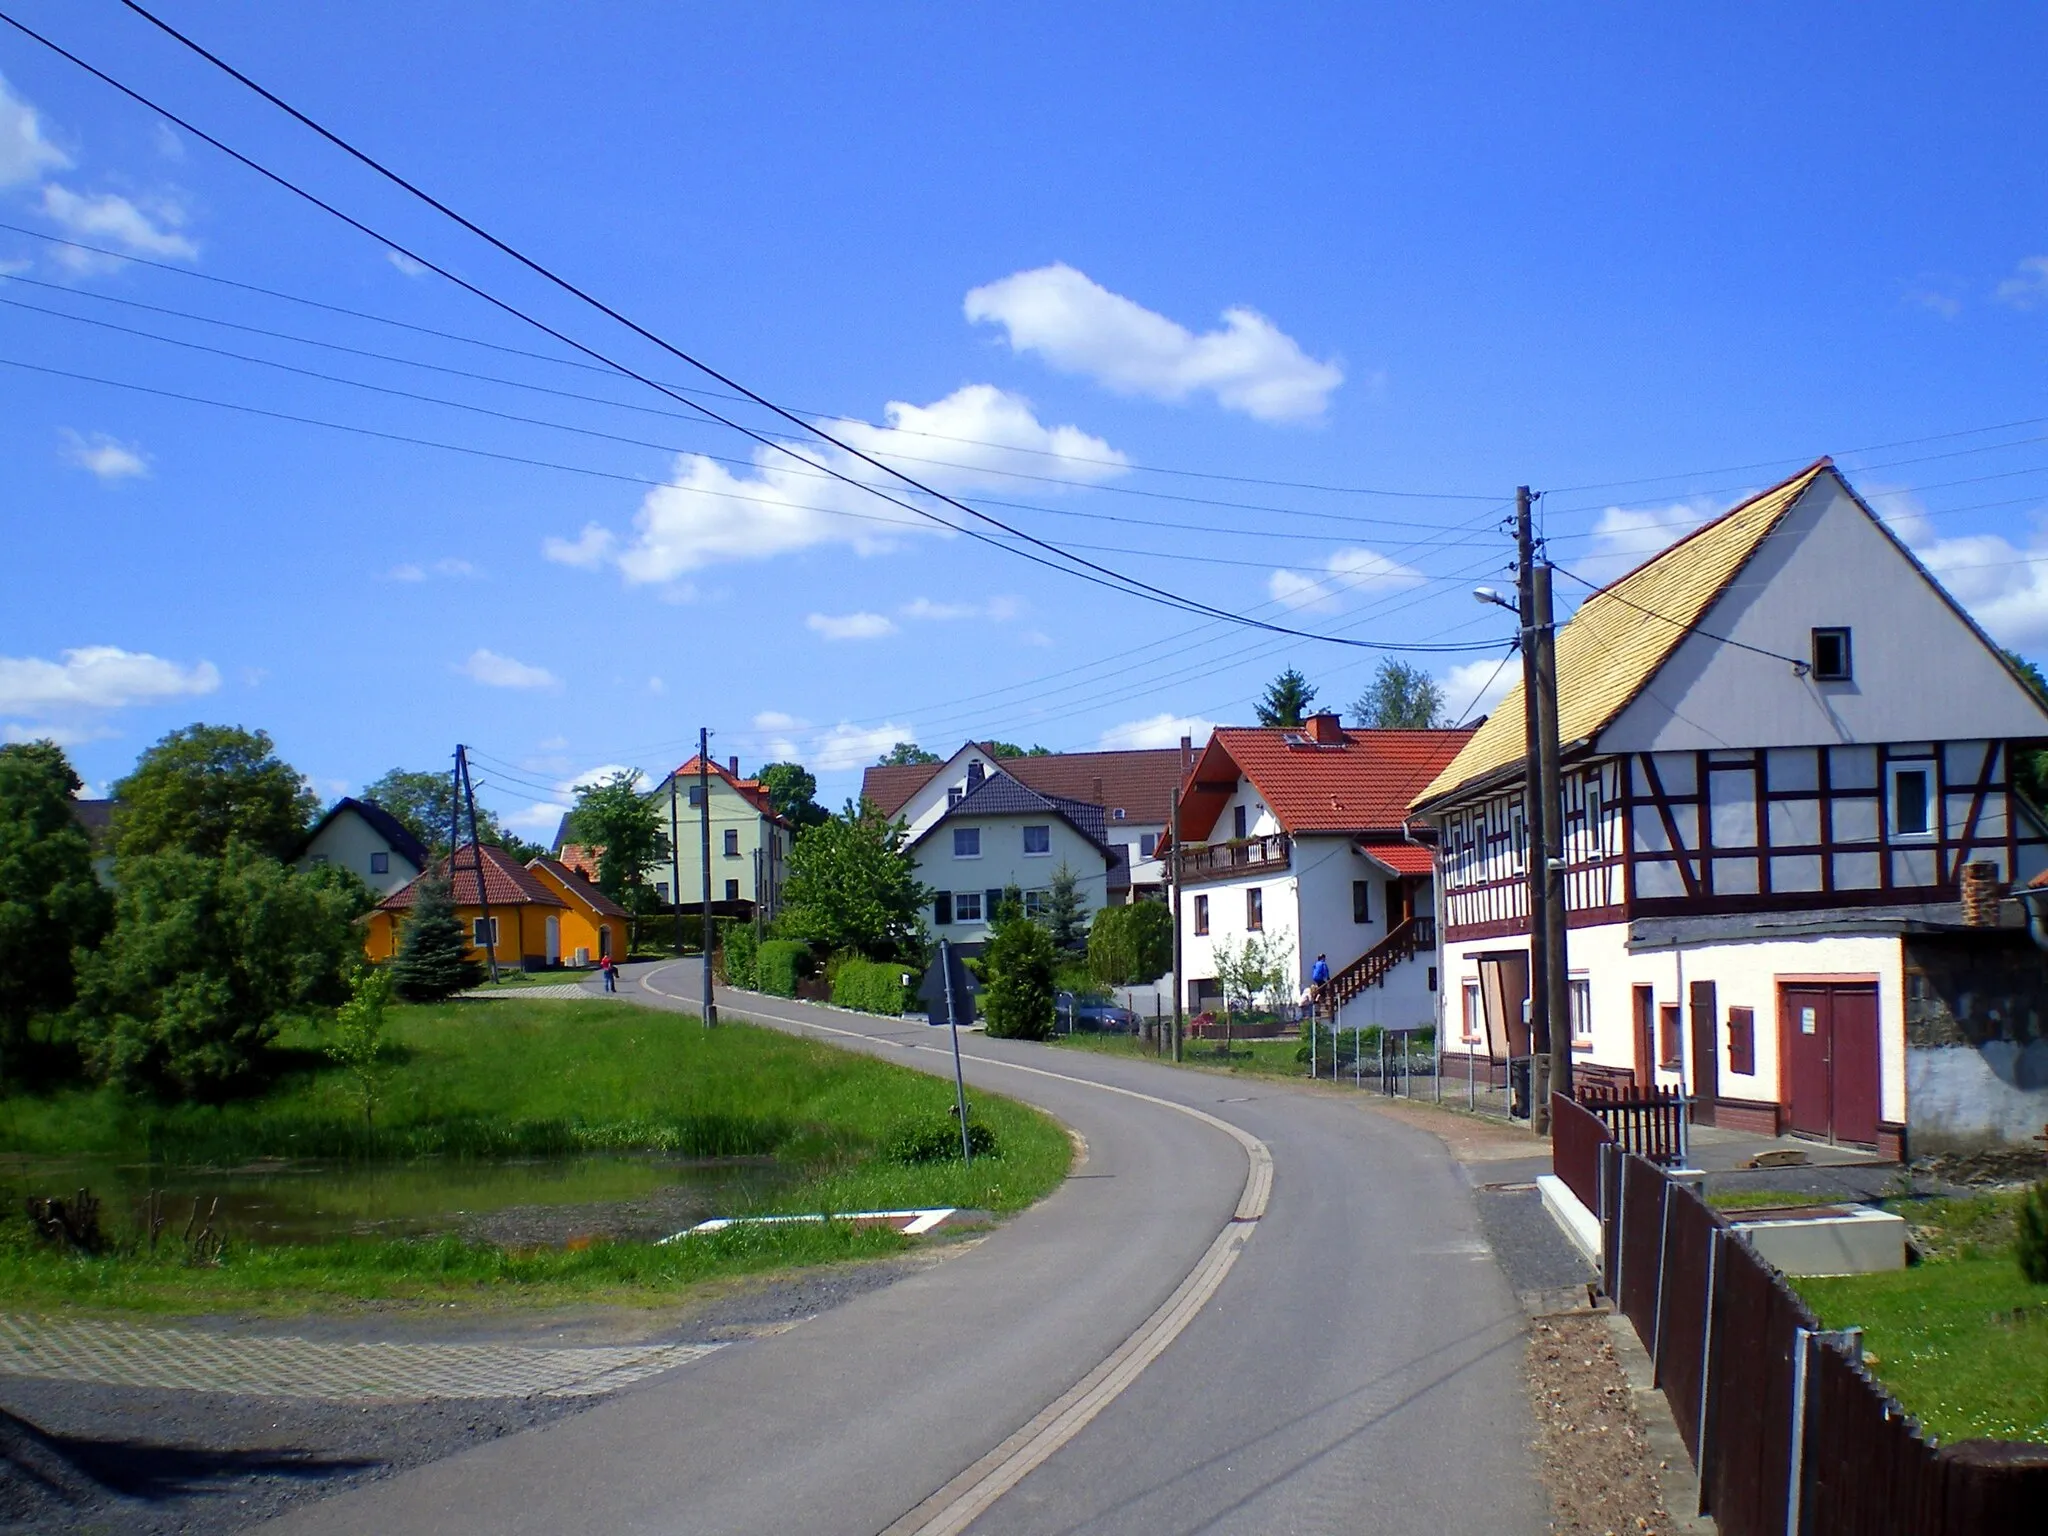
(125, 1355)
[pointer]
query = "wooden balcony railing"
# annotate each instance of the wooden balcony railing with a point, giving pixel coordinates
(1241, 856)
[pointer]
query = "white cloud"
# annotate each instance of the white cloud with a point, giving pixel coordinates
(24, 153)
(1161, 730)
(848, 746)
(98, 677)
(109, 216)
(405, 264)
(168, 144)
(1627, 536)
(103, 457)
(410, 570)
(997, 609)
(709, 513)
(656, 686)
(2027, 288)
(1347, 571)
(1475, 687)
(1078, 326)
(851, 626)
(495, 671)
(406, 572)
(62, 735)
(776, 720)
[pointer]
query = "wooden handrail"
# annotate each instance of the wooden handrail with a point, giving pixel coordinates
(1408, 937)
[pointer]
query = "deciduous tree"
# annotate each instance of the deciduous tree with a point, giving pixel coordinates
(206, 786)
(49, 900)
(906, 754)
(852, 885)
(1399, 698)
(626, 828)
(793, 791)
(1017, 999)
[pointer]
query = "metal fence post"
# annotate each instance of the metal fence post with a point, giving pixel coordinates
(1704, 1438)
(1795, 1472)
(1663, 1266)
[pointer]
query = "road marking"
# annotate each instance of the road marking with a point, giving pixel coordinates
(954, 1507)
(910, 1223)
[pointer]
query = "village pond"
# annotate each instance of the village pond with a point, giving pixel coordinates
(523, 1202)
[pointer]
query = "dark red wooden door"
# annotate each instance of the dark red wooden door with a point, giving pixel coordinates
(1646, 1045)
(1706, 1052)
(1853, 1052)
(1805, 1014)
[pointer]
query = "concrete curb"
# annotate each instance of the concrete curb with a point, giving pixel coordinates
(1577, 1223)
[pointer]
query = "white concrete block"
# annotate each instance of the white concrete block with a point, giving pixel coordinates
(1853, 1242)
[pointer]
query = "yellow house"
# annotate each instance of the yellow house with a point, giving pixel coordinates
(595, 925)
(526, 922)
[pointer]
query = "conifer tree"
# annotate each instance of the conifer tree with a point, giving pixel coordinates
(1065, 917)
(431, 964)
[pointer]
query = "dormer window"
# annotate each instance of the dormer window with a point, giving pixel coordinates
(954, 796)
(975, 774)
(1831, 659)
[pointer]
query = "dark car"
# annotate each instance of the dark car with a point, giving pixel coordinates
(1091, 1017)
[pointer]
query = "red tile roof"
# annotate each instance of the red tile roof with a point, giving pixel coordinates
(579, 888)
(581, 857)
(506, 882)
(749, 790)
(1360, 782)
(1403, 858)
(1139, 782)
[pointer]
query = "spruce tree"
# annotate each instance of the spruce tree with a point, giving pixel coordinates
(431, 964)
(1065, 917)
(1287, 701)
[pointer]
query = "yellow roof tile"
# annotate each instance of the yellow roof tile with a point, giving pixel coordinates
(1623, 633)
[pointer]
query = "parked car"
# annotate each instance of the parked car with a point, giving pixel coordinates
(1091, 1016)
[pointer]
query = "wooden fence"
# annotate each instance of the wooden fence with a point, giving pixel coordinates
(1791, 1435)
(1650, 1122)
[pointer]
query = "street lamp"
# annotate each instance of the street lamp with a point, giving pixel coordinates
(1488, 595)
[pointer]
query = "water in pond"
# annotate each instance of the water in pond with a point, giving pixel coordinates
(520, 1203)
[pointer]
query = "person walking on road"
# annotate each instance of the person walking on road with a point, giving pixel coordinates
(608, 968)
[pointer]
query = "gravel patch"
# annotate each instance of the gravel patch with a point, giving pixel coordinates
(1533, 1254)
(1592, 1448)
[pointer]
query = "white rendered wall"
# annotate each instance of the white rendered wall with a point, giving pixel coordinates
(1003, 863)
(348, 841)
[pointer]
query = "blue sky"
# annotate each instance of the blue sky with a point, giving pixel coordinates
(1129, 277)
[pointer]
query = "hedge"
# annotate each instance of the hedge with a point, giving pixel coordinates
(742, 954)
(871, 986)
(778, 964)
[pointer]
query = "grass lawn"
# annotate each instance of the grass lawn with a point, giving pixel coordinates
(1765, 1200)
(1962, 1339)
(1262, 1058)
(510, 1077)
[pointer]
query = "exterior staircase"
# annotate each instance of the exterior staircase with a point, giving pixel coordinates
(1409, 937)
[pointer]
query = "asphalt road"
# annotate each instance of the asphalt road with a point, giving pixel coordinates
(1357, 1370)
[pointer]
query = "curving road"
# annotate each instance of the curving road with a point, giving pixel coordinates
(1357, 1367)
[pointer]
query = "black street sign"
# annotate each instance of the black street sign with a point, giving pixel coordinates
(932, 991)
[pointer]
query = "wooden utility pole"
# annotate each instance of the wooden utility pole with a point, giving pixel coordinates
(704, 846)
(476, 848)
(1555, 920)
(675, 864)
(1179, 978)
(1535, 804)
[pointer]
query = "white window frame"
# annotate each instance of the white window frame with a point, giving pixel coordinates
(960, 912)
(476, 933)
(1037, 903)
(970, 833)
(1893, 772)
(1038, 853)
(1581, 992)
(1471, 1019)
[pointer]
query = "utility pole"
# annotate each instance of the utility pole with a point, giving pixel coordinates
(760, 855)
(675, 864)
(1552, 778)
(1535, 818)
(476, 848)
(704, 846)
(1179, 981)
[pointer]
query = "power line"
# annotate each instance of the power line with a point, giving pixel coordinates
(1693, 628)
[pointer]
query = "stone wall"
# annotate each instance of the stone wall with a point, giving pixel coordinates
(1976, 1038)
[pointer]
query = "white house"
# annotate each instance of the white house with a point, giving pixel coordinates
(1784, 746)
(750, 840)
(1298, 835)
(363, 837)
(1001, 834)
(1133, 789)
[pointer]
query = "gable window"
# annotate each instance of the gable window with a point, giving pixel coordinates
(1237, 822)
(942, 908)
(954, 796)
(380, 863)
(1255, 910)
(696, 793)
(483, 932)
(967, 907)
(1831, 660)
(1038, 840)
(1148, 844)
(1361, 901)
(732, 842)
(1201, 914)
(1912, 799)
(967, 842)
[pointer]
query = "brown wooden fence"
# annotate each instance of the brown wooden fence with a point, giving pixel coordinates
(1576, 1137)
(1650, 1122)
(1791, 1435)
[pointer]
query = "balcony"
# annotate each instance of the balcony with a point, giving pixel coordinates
(1241, 856)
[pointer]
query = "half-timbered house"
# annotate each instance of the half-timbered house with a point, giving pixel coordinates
(1784, 744)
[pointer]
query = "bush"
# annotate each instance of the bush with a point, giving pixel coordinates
(2030, 1243)
(1017, 999)
(778, 964)
(742, 955)
(1132, 945)
(936, 1139)
(871, 986)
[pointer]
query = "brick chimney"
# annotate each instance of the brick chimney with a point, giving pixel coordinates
(1095, 790)
(1980, 895)
(1326, 729)
(733, 763)
(1187, 753)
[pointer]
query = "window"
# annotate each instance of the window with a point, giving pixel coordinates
(696, 793)
(1201, 914)
(483, 932)
(967, 842)
(1255, 910)
(732, 890)
(967, 907)
(1037, 840)
(1471, 1017)
(1036, 902)
(1912, 799)
(1742, 1041)
(661, 892)
(732, 842)
(1148, 844)
(380, 863)
(992, 903)
(1667, 1036)
(942, 908)
(1361, 901)
(1831, 660)
(954, 796)
(1237, 822)
(1582, 1011)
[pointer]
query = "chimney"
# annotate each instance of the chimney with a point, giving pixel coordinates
(1095, 790)
(733, 764)
(1980, 895)
(1326, 730)
(1187, 751)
